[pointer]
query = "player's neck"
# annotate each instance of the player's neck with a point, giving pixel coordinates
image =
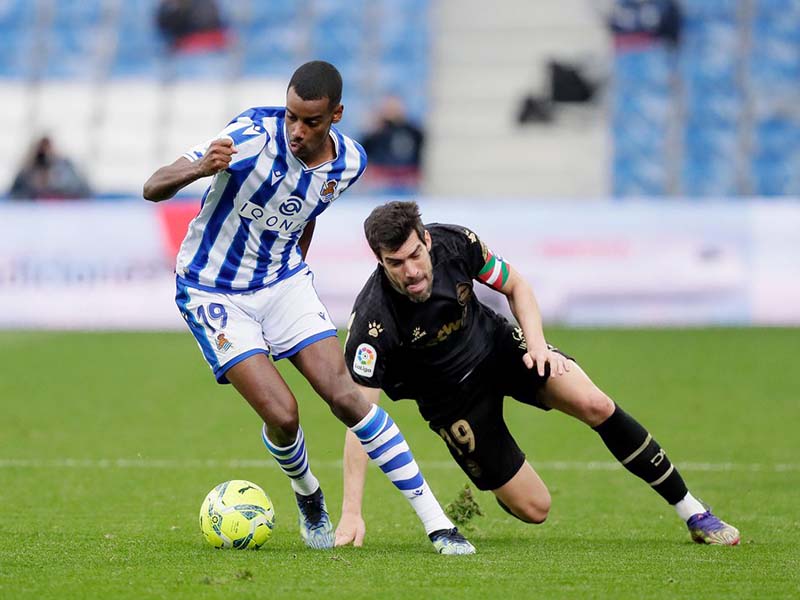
(326, 154)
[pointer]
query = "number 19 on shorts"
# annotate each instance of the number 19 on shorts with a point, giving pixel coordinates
(460, 437)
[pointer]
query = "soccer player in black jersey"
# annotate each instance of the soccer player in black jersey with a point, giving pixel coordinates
(418, 331)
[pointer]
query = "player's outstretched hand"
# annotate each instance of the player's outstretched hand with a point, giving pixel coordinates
(218, 156)
(559, 364)
(351, 529)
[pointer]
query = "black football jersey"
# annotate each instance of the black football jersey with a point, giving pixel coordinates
(413, 349)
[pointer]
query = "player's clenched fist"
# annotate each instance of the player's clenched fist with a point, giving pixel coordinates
(218, 156)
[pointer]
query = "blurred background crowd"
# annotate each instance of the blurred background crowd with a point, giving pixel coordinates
(579, 98)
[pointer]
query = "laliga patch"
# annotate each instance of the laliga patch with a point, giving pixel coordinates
(364, 361)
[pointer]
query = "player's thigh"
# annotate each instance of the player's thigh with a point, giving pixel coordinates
(293, 317)
(480, 442)
(575, 394)
(572, 392)
(225, 331)
(526, 495)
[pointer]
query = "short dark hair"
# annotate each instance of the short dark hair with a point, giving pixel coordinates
(388, 226)
(317, 79)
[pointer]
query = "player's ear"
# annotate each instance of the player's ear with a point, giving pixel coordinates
(428, 241)
(337, 113)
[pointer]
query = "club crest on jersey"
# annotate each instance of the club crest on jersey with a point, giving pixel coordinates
(328, 190)
(223, 345)
(364, 361)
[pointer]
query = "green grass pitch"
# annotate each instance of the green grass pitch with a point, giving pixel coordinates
(109, 442)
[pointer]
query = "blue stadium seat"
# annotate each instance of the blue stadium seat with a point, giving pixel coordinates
(775, 57)
(707, 143)
(79, 13)
(713, 107)
(776, 139)
(18, 56)
(716, 10)
(269, 13)
(652, 107)
(647, 68)
(139, 51)
(137, 61)
(633, 178)
(331, 38)
(711, 179)
(268, 51)
(773, 178)
(17, 14)
(787, 11)
(72, 52)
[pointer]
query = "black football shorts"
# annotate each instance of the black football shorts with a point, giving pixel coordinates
(474, 429)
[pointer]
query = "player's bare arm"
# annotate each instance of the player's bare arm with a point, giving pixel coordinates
(351, 528)
(525, 309)
(169, 180)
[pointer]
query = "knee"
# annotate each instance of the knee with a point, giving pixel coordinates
(534, 510)
(284, 424)
(596, 407)
(347, 405)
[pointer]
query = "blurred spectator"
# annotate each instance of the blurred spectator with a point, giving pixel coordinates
(394, 150)
(47, 174)
(643, 22)
(191, 25)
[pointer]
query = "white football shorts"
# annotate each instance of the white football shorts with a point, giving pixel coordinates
(279, 320)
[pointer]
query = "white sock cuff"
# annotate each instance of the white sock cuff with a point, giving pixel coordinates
(366, 419)
(281, 449)
(689, 506)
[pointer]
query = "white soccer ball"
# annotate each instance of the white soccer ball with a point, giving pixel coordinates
(237, 514)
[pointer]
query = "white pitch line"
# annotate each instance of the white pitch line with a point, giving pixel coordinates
(212, 463)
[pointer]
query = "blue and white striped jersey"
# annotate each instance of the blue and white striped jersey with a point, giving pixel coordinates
(253, 213)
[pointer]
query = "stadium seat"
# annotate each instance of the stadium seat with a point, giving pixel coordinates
(711, 10)
(776, 178)
(73, 52)
(109, 55)
(648, 68)
(80, 13)
(19, 54)
(268, 50)
(17, 14)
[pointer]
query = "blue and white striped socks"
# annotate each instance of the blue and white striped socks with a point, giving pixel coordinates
(293, 461)
(387, 448)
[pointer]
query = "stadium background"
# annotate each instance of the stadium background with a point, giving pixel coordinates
(669, 200)
(674, 188)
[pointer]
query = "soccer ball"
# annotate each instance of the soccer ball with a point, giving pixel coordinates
(237, 514)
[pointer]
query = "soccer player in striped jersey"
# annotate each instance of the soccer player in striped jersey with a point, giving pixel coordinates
(246, 292)
(418, 331)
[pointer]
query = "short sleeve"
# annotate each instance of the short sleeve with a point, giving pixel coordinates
(476, 252)
(248, 136)
(367, 349)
